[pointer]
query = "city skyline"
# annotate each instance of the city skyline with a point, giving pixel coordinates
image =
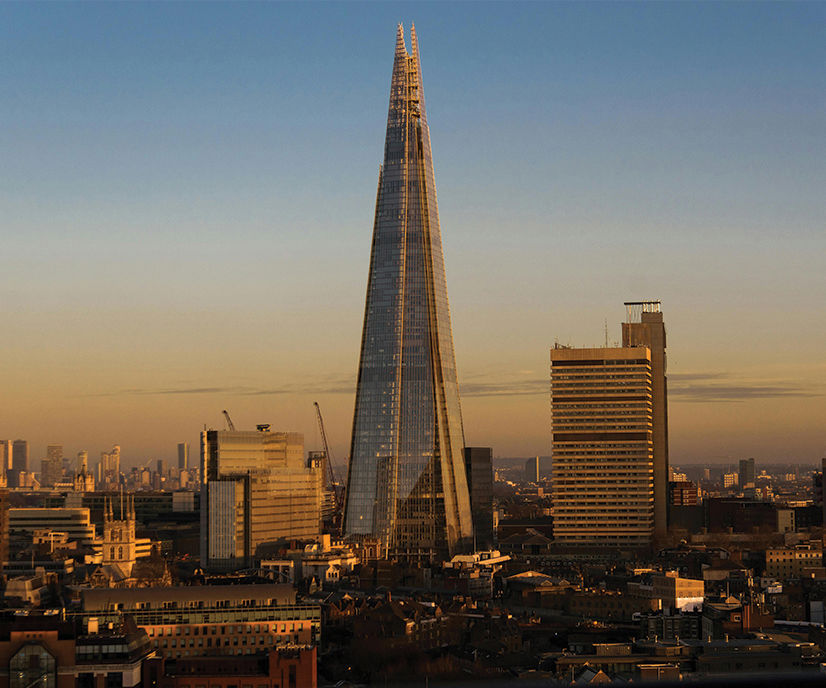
(171, 256)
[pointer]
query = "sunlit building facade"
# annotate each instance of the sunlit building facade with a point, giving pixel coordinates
(406, 483)
(257, 488)
(603, 446)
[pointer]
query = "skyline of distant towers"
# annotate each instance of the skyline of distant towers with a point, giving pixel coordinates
(407, 485)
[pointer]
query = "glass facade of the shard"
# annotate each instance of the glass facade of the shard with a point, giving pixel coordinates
(406, 484)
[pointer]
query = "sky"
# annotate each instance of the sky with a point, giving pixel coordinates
(187, 194)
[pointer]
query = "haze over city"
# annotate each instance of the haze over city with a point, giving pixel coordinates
(188, 192)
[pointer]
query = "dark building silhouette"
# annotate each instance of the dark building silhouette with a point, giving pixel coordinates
(479, 469)
(183, 455)
(532, 469)
(746, 474)
(19, 461)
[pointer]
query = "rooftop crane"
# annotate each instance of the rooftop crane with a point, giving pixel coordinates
(328, 458)
(230, 424)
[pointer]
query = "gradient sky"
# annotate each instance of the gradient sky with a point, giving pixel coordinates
(187, 193)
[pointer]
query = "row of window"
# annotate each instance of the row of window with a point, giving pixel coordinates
(210, 642)
(222, 630)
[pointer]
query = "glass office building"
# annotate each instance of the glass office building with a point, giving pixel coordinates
(406, 484)
(257, 489)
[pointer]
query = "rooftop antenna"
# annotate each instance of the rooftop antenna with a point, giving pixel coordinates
(606, 333)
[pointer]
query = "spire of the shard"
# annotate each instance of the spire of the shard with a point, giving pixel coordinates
(401, 49)
(414, 49)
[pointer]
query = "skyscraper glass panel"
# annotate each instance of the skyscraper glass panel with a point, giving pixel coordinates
(406, 482)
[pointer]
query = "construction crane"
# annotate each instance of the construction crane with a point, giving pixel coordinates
(328, 458)
(230, 424)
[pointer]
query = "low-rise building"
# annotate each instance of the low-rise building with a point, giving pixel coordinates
(190, 621)
(275, 668)
(678, 593)
(794, 562)
(46, 650)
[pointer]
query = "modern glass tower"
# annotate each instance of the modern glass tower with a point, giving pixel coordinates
(407, 485)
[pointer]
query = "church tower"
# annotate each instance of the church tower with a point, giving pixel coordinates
(119, 547)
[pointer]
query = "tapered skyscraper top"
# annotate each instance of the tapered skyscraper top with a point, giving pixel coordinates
(406, 482)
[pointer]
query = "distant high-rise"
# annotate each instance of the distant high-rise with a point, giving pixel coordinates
(746, 473)
(822, 495)
(532, 470)
(479, 470)
(183, 456)
(644, 327)
(4, 528)
(257, 488)
(109, 467)
(406, 483)
(5, 457)
(51, 468)
(19, 461)
(54, 452)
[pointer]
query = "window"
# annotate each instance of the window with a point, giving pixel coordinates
(32, 665)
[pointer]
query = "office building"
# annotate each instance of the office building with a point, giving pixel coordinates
(109, 468)
(5, 457)
(683, 493)
(46, 651)
(257, 488)
(25, 522)
(51, 468)
(746, 473)
(406, 484)
(603, 446)
(285, 667)
(183, 456)
(191, 621)
(822, 496)
(730, 479)
(479, 470)
(532, 470)
(4, 528)
(644, 326)
(19, 462)
(54, 453)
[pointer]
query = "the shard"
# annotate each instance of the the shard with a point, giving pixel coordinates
(406, 485)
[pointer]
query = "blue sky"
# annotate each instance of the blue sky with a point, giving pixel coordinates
(186, 199)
